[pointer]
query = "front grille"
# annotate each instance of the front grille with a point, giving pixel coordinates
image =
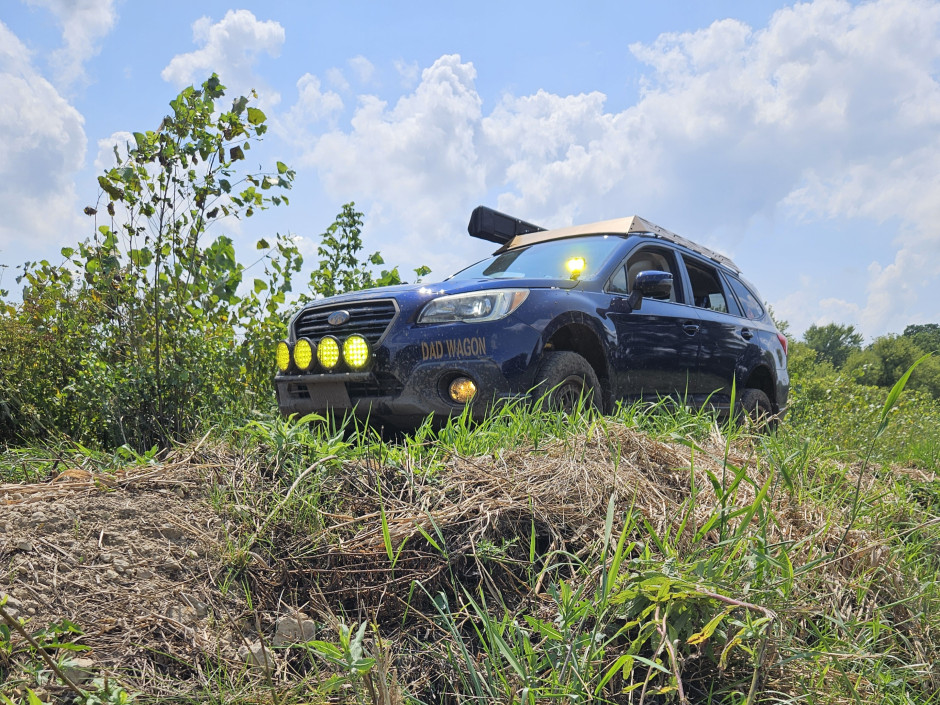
(367, 318)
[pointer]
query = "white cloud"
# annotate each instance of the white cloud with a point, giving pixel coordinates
(414, 161)
(230, 47)
(84, 23)
(336, 79)
(42, 146)
(313, 108)
(830, 112)
(410, 72)
(363, 68)
(113, 150)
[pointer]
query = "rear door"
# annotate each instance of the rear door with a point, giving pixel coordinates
(728, 342)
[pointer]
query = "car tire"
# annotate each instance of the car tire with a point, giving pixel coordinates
(756, 404)
(565, 378)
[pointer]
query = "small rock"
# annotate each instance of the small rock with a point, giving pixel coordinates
(170, 532)
(144, 573)
(201, 608)
(294, 629)
(184, 614)
(121, 566)
(12, 606)
(256, 655)
(24, 545)
(191, 554)
(79, 670)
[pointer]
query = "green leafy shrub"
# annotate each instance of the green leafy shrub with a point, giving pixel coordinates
(142, 327)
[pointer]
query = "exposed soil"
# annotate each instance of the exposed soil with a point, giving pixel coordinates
(132, 560)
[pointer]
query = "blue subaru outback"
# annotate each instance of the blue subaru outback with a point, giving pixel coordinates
(617, 310)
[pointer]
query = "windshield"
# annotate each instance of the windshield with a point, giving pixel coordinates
(572, 258)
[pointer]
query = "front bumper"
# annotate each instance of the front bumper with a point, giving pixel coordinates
(373, 395)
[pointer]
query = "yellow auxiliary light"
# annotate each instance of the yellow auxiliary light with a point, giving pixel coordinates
(462, 389)
(283, 356)
(303, 354)
(356, 352)
(328, 352)
(575, 265)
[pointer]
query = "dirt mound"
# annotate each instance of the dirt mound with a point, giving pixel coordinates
(129, 558)
(175, 592)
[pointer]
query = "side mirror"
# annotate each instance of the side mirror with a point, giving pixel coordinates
(653, 284)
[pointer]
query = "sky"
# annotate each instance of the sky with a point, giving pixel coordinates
(802, 139)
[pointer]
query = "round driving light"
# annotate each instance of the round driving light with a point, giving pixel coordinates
(303, 354)
(328, 352)
(356, 352)
(462, 389)
(283, 356)
(575, 265)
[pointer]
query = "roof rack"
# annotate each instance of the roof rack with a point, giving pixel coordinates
(634, 225)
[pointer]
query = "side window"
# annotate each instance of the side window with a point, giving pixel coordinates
(618, 281)
(707, 291)
(749, 303)
(654, 259)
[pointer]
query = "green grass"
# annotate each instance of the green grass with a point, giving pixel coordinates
(797, 566)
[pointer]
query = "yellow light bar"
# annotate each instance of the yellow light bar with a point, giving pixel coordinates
(303, 354)
(283, 356)
(356, 352)
(328, 352)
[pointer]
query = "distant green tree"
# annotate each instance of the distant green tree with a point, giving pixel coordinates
(926, 336)
(884, 361)
(341, 268)
(832, 342)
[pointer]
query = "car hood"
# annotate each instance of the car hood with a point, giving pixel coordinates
(413, 294)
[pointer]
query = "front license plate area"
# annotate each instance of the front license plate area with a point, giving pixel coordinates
(331, 395)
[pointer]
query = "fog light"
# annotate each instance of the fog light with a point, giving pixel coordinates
(462, 389)
(283, 356)
(356, 352)
(303, 354)
(328, 352)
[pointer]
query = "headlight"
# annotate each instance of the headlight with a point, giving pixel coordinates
(475, 307)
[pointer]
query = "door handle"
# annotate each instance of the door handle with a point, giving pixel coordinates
(690, 327)
(746, 333)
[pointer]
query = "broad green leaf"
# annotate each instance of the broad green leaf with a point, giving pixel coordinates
(895, 393)
(710, 628)
(256, 116)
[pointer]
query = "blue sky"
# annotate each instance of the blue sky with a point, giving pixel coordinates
(801, 139)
